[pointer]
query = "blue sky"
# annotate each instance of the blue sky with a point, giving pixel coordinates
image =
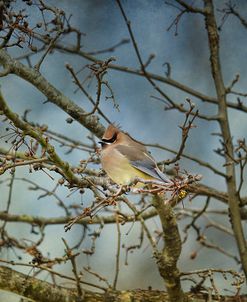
(140, 115)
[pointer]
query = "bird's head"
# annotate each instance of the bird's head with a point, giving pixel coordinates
(110, 136)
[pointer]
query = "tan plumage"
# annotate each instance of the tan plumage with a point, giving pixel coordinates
(124, 159)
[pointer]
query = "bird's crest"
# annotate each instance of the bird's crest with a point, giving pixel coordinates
(110, 133)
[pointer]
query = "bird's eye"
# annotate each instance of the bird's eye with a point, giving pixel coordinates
(111, 140)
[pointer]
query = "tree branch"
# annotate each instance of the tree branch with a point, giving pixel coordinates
(42, 291)
(167, 80)
(53, 95)
(27, 129)
(233, 200)
(167, 259)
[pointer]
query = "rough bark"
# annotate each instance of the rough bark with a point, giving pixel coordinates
(233, 198)
(168, 257)
(42, 291)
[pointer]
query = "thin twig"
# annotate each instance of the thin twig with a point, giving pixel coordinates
(117, 253)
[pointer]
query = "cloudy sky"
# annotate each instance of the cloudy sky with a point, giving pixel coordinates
(140, 115)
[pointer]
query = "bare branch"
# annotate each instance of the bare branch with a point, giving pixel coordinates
(53, 95)
(233, 201)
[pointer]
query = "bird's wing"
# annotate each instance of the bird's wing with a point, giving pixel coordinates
(142, 161)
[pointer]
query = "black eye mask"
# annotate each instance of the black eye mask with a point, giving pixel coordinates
(111, 140)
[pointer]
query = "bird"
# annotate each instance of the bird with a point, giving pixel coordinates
(124, 159)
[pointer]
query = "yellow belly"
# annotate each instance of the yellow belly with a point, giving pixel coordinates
(122, 172)
(119, 169)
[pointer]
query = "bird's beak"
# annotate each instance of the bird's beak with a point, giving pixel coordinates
(103, 143)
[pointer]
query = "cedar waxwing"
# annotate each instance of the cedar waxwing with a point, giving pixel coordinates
(124, 158)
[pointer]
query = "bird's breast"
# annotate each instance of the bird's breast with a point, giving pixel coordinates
(118, 168)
